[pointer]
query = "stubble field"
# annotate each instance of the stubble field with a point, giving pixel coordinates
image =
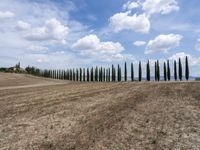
(45, 114)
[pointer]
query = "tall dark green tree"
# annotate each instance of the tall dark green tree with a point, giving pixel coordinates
(84, 74)
(88, 75)
(175, 71)
(112, 73)
(140, 72)
(92, 75)
(180, 69)
(187, 72)
(96, 73)
(119, 73)
(125, 72)
(81, 74)
(148, 71)
(132, 72)
(168, 71)
(77, 75)
(74, 75)
(104, 74)
(100, 74)
(156, 72)
(67, 74)
(71, 75)
(165, 72)
(108, 74)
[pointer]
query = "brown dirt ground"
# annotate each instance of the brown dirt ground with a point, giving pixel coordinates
(57, 115)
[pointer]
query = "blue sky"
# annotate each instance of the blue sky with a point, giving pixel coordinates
(81, 33)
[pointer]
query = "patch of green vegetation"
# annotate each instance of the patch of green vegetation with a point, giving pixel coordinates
(197, 79)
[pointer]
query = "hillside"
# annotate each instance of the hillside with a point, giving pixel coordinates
(73, 115)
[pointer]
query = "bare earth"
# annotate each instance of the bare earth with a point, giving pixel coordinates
(45, 114)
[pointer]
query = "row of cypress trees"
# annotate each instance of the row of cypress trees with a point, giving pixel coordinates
(110, 74)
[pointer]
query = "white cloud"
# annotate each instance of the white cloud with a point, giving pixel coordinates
(163, 43)
(126, 21)
(21, 25)
(92, 47)
(38, 48)
(159, 6)
(182, 55)
(131, 5)
(92, 44)
(197, 45)
(6, 14)
(53, 31)
(139, 43)
(140, 21)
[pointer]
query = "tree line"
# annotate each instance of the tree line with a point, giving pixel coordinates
(114, 74)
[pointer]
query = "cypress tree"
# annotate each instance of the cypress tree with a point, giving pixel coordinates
(175, 71)
(101, 74)
(140, 72)
(180, 69)
(165, 72)
(104, 74)
(118, 73)
(77, 75)
(57, 74)
(71, 75)
(148, 71)
(168, 71)
(91, 74)
(132, 72)
(125, 72)
(80, 74)
(112, 73)
(84, 74)
(67, 74)
(158, 71)
(96, 74)
(114, 76)
(108, 74)
(187, 69)
(88, 75)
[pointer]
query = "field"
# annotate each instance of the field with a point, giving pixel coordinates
(45, 114)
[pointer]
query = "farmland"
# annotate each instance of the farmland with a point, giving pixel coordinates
(40, 113)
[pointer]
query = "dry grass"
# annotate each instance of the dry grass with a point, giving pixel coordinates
(47, 114)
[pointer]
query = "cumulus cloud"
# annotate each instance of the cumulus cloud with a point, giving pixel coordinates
(126, 21)
(197, 45)
(93, 47)
(192, 59)
(38, 48)
(53, 30)
(140, 21)
(21, 25)
(159, 6)
(163, 43)
(92, 44)
(131, 5)
(139, 43)
(6, 14)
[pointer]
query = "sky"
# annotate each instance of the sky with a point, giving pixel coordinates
(58, 34)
